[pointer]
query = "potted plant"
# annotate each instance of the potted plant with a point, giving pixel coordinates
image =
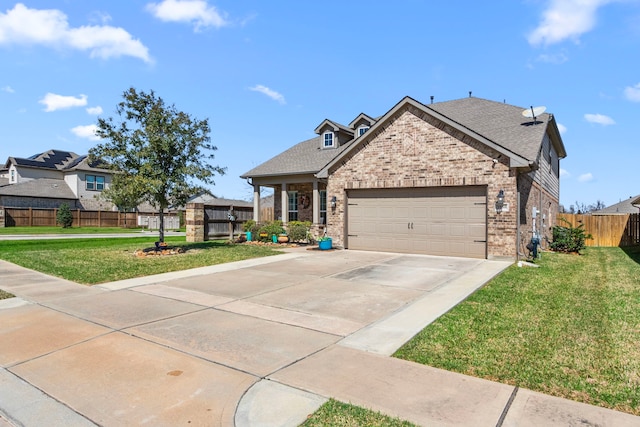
(271, 230)
(325, 243)
(247, 227)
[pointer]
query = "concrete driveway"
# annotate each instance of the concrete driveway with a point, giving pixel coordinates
(259, 342)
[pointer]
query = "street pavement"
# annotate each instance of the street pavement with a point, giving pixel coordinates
(260, 342)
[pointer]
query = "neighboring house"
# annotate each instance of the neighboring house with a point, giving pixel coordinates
(458, 178)
(628, 206)
(48, 179)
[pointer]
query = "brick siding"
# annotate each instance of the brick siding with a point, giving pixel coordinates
(416, 150)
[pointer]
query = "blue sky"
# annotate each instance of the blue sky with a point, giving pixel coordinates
(267, 73)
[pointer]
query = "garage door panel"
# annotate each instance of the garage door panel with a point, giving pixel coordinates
(441, 221)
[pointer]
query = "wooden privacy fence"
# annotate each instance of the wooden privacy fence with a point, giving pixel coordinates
(217, 222)
(607, 230)
(32, 217)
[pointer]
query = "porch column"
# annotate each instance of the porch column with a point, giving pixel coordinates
(256, 202)
(284, 204)
(316, 203)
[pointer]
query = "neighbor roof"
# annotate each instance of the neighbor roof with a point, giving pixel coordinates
(623, 207)
(55, 160)
(52, 159)
(43, 187)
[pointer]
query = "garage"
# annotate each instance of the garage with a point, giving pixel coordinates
(448, 221)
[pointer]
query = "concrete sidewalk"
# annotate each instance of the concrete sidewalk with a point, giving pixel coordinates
(261, 342)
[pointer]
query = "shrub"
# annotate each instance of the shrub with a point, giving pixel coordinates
(64, 216)
(298, 230)
(248, 225)
(271, 228)
(568, 238)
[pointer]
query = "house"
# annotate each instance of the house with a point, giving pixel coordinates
(628, 206)
(46, 180)
(468, 177)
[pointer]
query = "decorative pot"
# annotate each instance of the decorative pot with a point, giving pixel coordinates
(248, 234)
(324, 245)
(283, 238)
(274, 238)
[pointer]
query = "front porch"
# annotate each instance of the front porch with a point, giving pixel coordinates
(295, 201)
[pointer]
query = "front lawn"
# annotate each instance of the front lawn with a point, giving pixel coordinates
(569, 328)
(92, 261)
(70, 230)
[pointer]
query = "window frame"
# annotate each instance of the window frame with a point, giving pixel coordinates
(292, 206)
(363, 129)
(323, 206)
(328, 136)
(94, 182)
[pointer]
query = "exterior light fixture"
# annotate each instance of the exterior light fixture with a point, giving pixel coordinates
(500, 201)
(333, 202)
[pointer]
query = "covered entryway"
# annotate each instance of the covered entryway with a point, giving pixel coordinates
(449, 221)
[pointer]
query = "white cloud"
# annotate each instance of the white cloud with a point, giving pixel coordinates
(557, 58)
(197, 12)
(53, 102)
(566, 19)
(8, 89)
(49, 27)
(95, 110)
(599, 119)
(269, 92)
(564, 173)
(632, 93)
(87, 132)
(585, 177)
(562, 128)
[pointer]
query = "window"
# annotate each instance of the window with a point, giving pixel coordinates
(323, 206)
(13, 176)
(95, 183)
(362, 130)
(293, 205)
(328, 139)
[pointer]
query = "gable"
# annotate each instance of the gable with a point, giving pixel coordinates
(410, 148)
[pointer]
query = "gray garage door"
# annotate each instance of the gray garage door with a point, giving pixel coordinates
(447, 221)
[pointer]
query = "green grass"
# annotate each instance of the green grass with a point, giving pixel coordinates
(92, 261)
(60, 230)
(338, 414)
(5, 295)
(569, 328)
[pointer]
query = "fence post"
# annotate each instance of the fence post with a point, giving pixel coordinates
(1, 217)
(195, 222)
(79, 219)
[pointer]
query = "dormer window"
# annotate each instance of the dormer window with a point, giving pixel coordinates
(13, 176)
(362, 130)
(328, 140)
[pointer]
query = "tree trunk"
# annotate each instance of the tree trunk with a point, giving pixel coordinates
(161, 239)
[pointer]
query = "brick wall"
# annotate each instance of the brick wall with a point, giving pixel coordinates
(415, 150)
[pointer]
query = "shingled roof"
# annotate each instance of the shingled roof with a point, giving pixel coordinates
(623, 207)
(43, 187)
(304, 158)
(497, 124)
(52, 159)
